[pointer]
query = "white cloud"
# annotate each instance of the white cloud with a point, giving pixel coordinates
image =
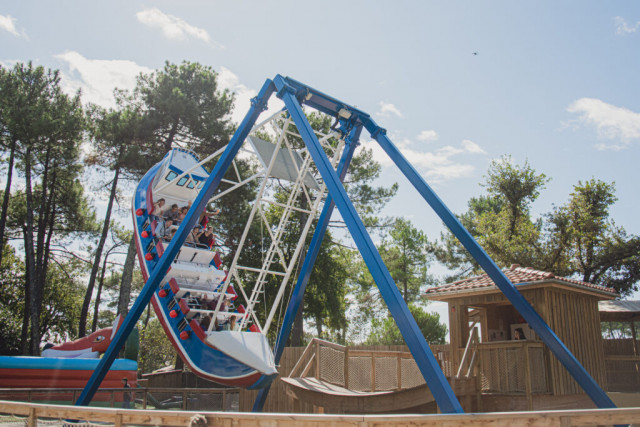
(428, 135)
(471, 147)
(387, 109)
(438, 165)
(8, 23)
(229, 80)
(172, 27)
(610, 147)
(610, 121)
(98, 78)
(623, 27)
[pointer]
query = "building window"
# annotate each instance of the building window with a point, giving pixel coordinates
(182, 181)
(171, 176)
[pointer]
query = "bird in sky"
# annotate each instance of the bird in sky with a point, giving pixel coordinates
(475, 53)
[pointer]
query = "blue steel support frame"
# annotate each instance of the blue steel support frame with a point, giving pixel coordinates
(590, 386)
(411, 333)
(258, 105)
(331, 105)
(307, 266)
(293, 94)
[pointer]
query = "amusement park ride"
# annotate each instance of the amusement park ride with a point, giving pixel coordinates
(188, 285)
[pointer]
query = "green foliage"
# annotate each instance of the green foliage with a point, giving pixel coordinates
(44, 127)
(386, 332)
(62, 299)
(602, 253)
(116, 137)
(405, 255)
(576, 239)
(184, 106)
(509, 234)
(404, 251)
(516, 187)
(156, 350)
(11, 302)
(619, 330)
(325, 298)
(62, 296)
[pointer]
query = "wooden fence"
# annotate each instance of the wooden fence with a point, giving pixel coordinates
(194, 399)
(622, 361)
(515, 367)
(30, 414)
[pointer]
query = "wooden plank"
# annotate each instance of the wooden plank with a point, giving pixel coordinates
(622, 358)
(527, 377)
(175, 418)
(308, 367)
(317, 354)
(373, 373)
(307, 350)
(32, 419)
(346, 367)
(398, 372)
(329, 344)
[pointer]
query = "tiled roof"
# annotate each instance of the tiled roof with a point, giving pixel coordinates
(517, 275)
(619, 306)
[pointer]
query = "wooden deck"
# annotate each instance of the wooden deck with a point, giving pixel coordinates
(339, 400)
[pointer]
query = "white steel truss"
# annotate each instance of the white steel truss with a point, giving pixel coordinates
(250, 280)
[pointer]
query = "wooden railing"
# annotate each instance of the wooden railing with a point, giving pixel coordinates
(211, 399)
(513, 367)
(30, 413)
(469, 357)
(622, 362)
(623, 373)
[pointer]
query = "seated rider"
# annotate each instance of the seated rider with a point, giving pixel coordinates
(207, 238)
(170, 234)
(225, 322)
(172, 213)
(206, 216)
(193, 236)
(162, 230)
(156, 212)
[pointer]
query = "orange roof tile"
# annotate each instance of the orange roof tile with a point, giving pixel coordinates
(517, 275)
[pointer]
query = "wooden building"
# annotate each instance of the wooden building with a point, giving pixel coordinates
(489, 335)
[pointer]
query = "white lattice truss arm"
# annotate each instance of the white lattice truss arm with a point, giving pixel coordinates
(274, 256)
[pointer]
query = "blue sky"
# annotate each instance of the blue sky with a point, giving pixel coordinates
(554, 83)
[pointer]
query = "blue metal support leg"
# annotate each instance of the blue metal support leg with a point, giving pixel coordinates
(258, 105)
(590, 386)
(412, 335)
(307, 266)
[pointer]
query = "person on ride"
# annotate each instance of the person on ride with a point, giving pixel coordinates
(170, 234)
(224, 322)
(206, 216)
(207, 238)
(183, 212)
(172, 213)
(156, 212)
(162, 230)
(194, 235)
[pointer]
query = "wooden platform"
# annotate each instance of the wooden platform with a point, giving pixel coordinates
(339, 400)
